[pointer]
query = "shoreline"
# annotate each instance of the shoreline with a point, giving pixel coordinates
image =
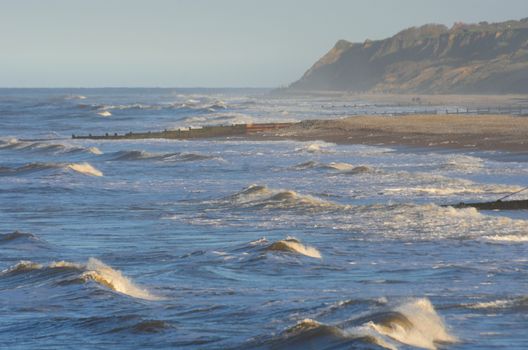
(469, 133)
(451, 131)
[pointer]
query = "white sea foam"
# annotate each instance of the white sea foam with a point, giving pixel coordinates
(225, 118)
(85, 168)
(340, 166)
(463, 163)
(105, 113)
(507, 238)
(455, 189)
(94, 150)
(495, 304)
(430, 221)
(75, 97)
(516, 303)
(316, 147)
(413, 323)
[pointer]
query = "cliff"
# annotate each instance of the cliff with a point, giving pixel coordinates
(479, 58)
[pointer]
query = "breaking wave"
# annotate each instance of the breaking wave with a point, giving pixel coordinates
(462, 188)
(422, 222)
(197, 105)
(84, 168)
(413, 323)
(168, 157)
(17, 236)
(316, 147)
(344, 168)
(114, 279)
(75, 97)
(293, 245)
(517, 304)
(218, 119)
(189, 105)
(81, 168)
(507, 238)
(263, 197)
(45, 147)
(94, 270)
(104, 114)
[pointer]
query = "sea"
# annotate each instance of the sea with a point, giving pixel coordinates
(247, 244)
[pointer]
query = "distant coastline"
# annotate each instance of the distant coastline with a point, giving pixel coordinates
(483, 58)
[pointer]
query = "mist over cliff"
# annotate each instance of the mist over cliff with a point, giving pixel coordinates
(467, 58)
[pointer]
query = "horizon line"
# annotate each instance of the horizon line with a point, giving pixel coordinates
(139, 87)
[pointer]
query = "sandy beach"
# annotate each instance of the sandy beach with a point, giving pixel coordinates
(477, 132)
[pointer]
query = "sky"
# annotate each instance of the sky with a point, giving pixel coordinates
(202, 43)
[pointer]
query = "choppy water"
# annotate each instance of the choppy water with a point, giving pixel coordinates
(245, 245)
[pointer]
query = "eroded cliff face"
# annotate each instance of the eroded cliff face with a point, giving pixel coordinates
(478, 58)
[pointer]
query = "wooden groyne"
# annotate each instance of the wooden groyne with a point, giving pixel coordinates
(191, 133)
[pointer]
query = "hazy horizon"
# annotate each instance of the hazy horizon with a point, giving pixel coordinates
(201, 44)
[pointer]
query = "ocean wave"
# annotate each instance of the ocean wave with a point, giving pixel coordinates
(85, 168)
(197, 105)
(81, 168)
(463, 163)
(339, 167)
(316, 147)
(258, 196)
(104, 114)
(127, 323)
(460, 188)
(190, 105)
(75, 97)
(105, 275)
(517, 304)
(17, 236)
(293, 245)
(94, 270)
(306, 165)
(422, 222)
(94, 150)
(217, 119)
(343, 167)
(45, 147)
(412, 323)
(507, 238)
(168, 157)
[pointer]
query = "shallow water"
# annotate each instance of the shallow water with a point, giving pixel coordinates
(212, 244)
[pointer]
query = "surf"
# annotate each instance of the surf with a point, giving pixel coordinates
(140, 155)
(93, 270)
(81, 168)
(293, 245)
(259, 196)
(412, 323)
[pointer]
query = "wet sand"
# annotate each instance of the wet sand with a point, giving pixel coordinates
(474, 132)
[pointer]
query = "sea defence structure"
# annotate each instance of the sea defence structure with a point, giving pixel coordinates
(192, 133)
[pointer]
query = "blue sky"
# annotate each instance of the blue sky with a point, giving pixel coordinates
(207, 43)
